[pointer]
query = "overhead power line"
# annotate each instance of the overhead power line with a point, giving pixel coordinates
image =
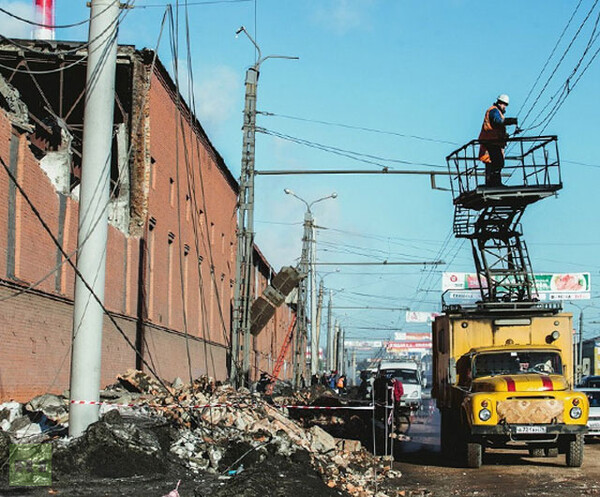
(383, 263)
(559, 63)
(359, 128)
(350, 154)
(549, 57)
(191, 4)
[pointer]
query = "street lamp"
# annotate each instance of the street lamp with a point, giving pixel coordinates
(307, 265)
(245, 232)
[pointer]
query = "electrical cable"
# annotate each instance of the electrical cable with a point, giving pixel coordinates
(56, 26)
(565, 89)
(549, 58)
(358, 128)
(357, 156)
(191, 4)
(560, 61)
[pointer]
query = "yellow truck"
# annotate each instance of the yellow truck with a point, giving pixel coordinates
(503, 381)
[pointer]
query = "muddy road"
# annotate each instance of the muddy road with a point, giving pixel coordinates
(504, 473)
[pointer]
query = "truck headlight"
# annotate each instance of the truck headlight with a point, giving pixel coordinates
(485, 414)
(575, 412)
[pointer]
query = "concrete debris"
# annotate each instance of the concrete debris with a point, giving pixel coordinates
(52, 406)
(137, 381)
(9, 411)
(202, 431)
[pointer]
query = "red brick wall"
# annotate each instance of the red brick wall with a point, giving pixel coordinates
(35, 328)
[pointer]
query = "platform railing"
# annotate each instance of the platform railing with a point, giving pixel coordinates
(531, 162)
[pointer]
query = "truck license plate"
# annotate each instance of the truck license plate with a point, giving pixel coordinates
(530, 429)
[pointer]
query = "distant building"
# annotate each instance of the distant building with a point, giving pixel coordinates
(172, 234)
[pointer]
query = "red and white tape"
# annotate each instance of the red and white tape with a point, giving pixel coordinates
(207, 406)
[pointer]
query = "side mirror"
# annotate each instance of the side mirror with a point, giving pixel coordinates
(424, 382)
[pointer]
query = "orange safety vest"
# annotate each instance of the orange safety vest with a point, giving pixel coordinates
(489, 133)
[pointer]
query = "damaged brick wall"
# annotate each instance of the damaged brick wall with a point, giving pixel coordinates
(144, 281)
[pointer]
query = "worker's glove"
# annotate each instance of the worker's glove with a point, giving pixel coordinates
(508, 121)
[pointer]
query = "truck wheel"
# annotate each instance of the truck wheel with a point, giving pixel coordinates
(575, 452)
(551, 451)
(403, 423)
(474, 455)
(536, 452)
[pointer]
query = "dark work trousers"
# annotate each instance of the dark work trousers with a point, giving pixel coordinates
(494, 168)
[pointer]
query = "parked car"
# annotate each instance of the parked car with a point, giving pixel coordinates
(593, 395)
(592, 381)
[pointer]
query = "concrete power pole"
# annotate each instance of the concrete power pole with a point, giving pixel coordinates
(245, 237)
(336, 346)
(94, 197)
(317, 325)
(580, 349)
(353, 368)
(329, 334)
(302, 327)
(245, 229)
(314, 339)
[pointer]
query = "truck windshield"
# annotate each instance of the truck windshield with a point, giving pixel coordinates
(404, 375)
(516, 362)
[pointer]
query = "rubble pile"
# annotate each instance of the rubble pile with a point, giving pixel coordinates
(203, 429)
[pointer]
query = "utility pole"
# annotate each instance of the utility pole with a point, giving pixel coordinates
(302, 327)
(353, 370)
(88, 314)
(245, 232)
(329, 334)
(314, 325)
(580, 358)
(307, 264)
(336, 346)
(318, 317)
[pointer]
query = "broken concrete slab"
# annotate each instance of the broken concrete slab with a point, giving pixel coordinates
(52, 406)
(322, 441)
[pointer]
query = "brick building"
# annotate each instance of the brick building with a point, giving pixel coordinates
(171, 242)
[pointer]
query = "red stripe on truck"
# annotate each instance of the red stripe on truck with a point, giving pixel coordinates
(510, 384)
(547, 383)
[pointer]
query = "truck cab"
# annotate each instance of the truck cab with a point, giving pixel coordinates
(507, 382)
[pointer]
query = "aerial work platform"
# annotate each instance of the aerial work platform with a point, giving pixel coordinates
(490, 216)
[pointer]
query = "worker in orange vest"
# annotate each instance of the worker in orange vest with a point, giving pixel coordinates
(493, 138)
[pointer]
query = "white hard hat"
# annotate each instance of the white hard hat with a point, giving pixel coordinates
(503, 98)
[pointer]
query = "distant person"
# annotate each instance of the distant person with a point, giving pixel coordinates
(398, 391)
(332, 380)
(314, 380)
(493, 137)
(341, 384)
(324, 380)
(264, 380)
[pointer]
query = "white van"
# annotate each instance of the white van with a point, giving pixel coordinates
(409, 373)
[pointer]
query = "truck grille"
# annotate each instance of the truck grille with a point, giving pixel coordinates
(530, 411)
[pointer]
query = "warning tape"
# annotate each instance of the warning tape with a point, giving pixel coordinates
(332, 408)
(207, 406)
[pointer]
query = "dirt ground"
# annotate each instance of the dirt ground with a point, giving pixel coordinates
(504, 473)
